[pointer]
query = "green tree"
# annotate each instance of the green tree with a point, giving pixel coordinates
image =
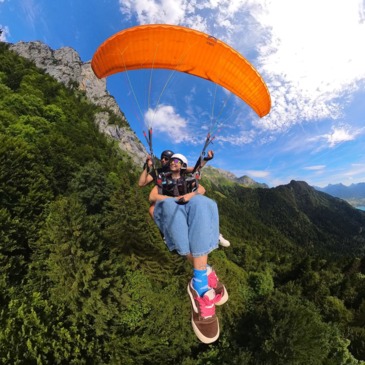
(92, 186)
(262, 283)
(285, 330)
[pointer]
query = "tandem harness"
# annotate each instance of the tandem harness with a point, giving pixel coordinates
(174, 188)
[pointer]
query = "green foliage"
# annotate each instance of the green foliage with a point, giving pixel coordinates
(284, 329)
(335, 311)
(261, 283)
(86, 279)
(92, 187)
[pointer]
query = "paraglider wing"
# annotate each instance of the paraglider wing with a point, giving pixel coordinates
(185, 50)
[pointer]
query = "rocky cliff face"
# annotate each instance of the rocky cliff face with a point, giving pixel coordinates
(66, 66)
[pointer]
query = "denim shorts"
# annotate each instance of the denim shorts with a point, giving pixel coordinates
(191, 228)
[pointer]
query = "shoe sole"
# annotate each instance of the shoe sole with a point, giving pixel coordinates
(224, 298)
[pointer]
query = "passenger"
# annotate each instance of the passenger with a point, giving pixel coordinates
(190, 224)
(148, 176)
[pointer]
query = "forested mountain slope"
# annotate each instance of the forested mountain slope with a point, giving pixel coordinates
(86, 279)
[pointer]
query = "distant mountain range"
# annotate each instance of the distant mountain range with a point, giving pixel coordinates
(301, 213)
(223, 177)
(354, 194)
(296, 214)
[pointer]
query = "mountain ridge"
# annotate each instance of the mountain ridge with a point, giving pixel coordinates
(310, 218)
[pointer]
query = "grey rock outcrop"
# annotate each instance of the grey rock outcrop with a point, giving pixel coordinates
(66, 66)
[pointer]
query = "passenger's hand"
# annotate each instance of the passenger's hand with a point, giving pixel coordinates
(201, 189)
(209, 155)
(185, 198)
(149, 160)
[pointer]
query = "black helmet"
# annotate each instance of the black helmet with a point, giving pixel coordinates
(166, 153)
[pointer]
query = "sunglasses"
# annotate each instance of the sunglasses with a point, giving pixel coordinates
(165, 158)
(175, 161)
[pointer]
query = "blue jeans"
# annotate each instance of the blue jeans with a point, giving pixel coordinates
(192, 228)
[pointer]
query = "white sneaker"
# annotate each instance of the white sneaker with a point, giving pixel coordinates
(223, 242)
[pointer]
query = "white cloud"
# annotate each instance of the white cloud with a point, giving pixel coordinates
(164, 119)
(4, 33)
(312, 58)
(219, 18)
(253, 174)
(355, 171)
(347, 175)
(237, 138)
(32, 11)
(154, 12)
(258, 174)
(340, 134)
(315, 168)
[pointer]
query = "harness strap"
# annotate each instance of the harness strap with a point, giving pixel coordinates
(175, 188)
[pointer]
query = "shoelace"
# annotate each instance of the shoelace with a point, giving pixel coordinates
(207, 306)
(212, 280)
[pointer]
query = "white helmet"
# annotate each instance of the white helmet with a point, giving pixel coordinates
(181, 158)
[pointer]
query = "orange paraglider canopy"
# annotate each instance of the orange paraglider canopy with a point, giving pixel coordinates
(185, 50)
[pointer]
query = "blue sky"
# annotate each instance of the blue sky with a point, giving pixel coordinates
(311, 54)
